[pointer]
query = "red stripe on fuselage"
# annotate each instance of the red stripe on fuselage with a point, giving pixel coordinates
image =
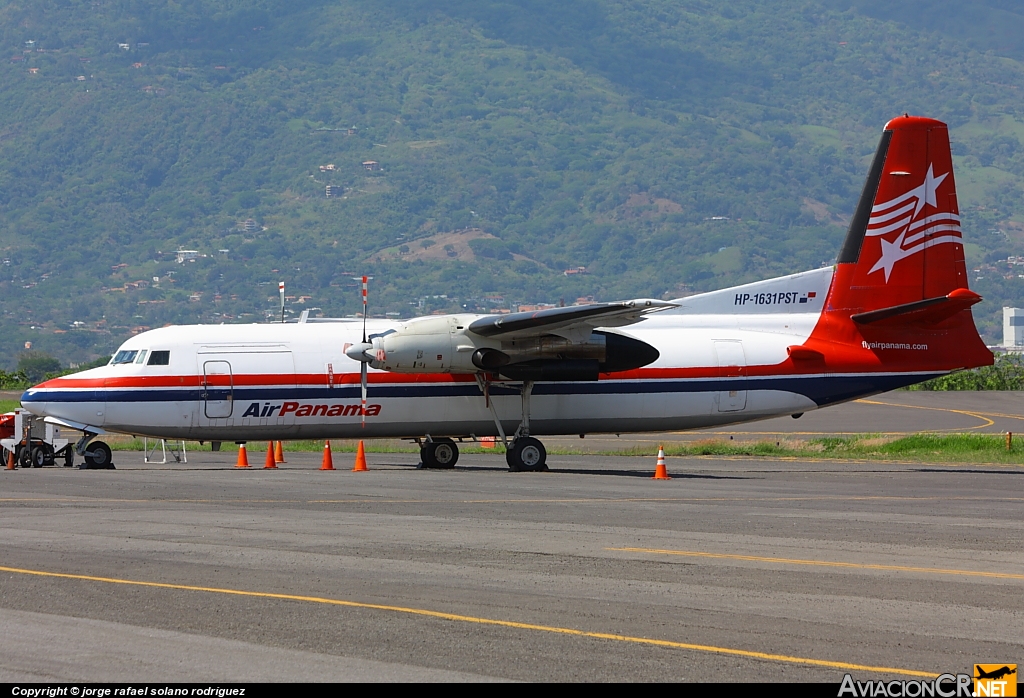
(838, 359)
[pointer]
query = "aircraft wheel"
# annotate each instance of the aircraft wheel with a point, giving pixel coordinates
(526, 454)
(441, 454)
(41, 455)
(98, 455)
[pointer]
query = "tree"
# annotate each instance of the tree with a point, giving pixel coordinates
(36, 364)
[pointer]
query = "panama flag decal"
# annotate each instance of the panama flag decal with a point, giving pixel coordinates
(916, 222)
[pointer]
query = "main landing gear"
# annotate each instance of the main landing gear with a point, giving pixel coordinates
(524, 453)
(441, 454)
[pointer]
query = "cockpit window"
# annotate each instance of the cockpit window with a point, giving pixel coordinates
(160, 358)
(142, 357)
(125, 356)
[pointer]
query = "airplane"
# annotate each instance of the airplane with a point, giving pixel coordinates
(995, 674)
(892, 311)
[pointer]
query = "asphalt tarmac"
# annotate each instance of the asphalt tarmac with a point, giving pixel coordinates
(897, 412)
(737, 569)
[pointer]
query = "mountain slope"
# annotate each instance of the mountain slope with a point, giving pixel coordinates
(663, 146)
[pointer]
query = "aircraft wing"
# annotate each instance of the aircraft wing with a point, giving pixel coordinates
(575, 322)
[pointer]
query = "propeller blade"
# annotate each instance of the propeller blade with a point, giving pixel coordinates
(362, 381)
(358, 352)
(364, 310)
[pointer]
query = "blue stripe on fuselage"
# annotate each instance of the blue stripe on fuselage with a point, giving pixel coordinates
(823, 390)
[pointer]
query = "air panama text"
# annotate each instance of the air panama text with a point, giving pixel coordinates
(300, 410)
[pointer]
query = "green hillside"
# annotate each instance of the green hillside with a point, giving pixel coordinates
(664, 146)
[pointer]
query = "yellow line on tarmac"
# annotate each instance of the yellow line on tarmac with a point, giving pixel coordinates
(988, 421)
(820, 563)
(943, 409)
(486, 621)
(1005, 416)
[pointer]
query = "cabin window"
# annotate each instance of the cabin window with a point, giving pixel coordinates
(125, 356)
(160, 358)
(142, 357)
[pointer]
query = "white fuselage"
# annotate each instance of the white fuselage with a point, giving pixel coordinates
(294, 381)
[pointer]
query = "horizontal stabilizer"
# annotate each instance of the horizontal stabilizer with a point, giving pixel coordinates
(928, 311)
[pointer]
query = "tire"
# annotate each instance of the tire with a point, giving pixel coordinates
(39, 456)
(98, 455)
(526, 454)
(23, 455)
(441, 454)
(69, 457)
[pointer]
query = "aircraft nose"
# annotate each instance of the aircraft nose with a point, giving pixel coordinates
(35, 402)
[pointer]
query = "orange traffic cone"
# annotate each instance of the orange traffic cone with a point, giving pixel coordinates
(660, 472)
(10, 460)
(271, 461)
(328, 462)
(243, 459)
(360, 459)
(279, 452)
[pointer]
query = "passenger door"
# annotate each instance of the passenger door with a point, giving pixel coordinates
(264, 385)
(218, 389)
(734, 366)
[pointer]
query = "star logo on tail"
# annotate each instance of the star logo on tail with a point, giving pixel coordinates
(892, 252)
(916, 231)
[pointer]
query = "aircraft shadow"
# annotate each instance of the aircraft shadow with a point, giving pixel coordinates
(971, 470)
(644, 474)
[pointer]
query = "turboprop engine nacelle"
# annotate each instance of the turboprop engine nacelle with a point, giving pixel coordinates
(428, 345)
(443, 345)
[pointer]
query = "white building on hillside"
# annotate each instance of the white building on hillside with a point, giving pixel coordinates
(1013, 328)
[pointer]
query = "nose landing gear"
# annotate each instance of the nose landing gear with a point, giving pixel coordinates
(97, 454)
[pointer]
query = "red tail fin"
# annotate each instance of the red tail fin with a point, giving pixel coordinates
(904, 244)
(899, 299)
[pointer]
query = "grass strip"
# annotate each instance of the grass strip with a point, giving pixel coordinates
(924, 447)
